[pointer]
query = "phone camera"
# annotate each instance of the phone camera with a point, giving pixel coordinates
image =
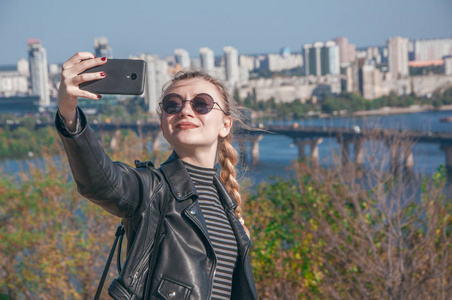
(133, 76)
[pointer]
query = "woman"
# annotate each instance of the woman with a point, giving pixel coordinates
(202, 250)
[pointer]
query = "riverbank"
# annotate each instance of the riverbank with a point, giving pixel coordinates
(401, 110)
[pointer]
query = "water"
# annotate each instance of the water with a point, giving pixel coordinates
(277, 153)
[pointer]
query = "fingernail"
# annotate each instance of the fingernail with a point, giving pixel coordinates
(102, 74)
(103, 59)
(95, 56)
(99, 96)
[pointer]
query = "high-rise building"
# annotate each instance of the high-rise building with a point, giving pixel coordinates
(431, 49)
(182, 58)
(37, 57)
(330, 59)
(231, 64)
(398, 57)
(101, 47)
(156, 77)
(370, 81)
(351, 80)
(347, 51)
(207, 59)
(321, 59)
(312, 59)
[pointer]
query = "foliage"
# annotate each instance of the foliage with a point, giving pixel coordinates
(326, 237)
(25, 141)
(53, 242)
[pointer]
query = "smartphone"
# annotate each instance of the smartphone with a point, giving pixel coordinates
(123, 77)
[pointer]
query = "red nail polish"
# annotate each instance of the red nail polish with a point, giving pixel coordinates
(99, 96)
(103, 59)
(102, 74)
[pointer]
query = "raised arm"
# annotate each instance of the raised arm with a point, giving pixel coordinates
(116, 187)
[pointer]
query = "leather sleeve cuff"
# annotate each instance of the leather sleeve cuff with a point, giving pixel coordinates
(80, 126)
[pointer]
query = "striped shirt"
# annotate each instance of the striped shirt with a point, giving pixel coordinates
(219, 229)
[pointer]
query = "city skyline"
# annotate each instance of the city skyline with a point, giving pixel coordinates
(159, 28)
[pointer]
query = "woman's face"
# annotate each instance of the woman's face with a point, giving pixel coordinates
(188, 131)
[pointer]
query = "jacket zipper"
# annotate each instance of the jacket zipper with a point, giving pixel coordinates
(213, 271)
(141, 265)
(143, 262)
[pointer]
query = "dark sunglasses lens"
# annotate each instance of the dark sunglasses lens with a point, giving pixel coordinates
(202, 104)
(172, 104)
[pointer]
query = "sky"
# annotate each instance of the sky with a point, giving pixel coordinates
(253, 27)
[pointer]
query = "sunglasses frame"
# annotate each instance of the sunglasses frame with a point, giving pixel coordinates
(191, 103)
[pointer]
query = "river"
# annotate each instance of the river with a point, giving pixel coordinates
(277, 153)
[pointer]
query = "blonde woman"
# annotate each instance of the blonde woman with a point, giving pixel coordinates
(200, 250)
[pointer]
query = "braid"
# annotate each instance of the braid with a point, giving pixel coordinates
(228, 159)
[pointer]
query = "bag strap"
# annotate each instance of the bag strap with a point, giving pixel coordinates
(118, 235)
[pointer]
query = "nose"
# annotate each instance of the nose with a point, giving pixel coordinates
(186, 108)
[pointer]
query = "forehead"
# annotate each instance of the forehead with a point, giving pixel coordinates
(188, 88)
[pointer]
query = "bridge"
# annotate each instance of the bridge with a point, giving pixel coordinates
(398, 142)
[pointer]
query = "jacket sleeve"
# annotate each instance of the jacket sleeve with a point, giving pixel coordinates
(116, 187)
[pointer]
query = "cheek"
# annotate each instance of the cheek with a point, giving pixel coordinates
(164, 124)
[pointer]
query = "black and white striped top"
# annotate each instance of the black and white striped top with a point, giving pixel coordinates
(219, 228)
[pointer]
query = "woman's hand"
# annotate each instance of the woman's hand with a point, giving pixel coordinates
(69, 90)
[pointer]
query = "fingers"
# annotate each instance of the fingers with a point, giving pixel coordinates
(87, 77)
(77, 58)
(71, 75)
(75, 67)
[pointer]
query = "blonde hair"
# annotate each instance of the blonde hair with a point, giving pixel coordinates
(227, 155)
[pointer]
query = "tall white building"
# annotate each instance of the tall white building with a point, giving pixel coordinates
(398, 57)
(182, 58)
(370, 81)
(231, 64)
(102, 48)
(37, 57)
(207, 59)
(330, 60)
(156, 77)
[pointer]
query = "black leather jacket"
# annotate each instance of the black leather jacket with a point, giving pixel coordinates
(185, 259)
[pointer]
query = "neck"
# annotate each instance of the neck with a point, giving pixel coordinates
(204, 158)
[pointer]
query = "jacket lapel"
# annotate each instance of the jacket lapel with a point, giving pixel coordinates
(179, 181)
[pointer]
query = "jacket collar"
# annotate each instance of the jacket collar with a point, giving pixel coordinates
(182, 186)
(179, 181)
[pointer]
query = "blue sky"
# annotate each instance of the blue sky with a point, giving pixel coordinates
(158, 27)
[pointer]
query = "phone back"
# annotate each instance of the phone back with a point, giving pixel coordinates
(123, 77)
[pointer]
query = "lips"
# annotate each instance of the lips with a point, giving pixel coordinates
(186, 125)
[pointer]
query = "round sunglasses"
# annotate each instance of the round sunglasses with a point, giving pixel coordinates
(201, 104)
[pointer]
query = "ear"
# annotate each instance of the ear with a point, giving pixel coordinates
(226, 127)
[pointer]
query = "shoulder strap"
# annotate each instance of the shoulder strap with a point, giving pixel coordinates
(118, 235)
